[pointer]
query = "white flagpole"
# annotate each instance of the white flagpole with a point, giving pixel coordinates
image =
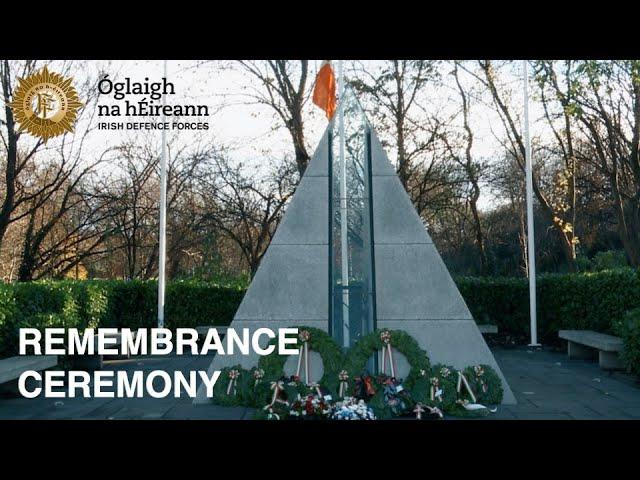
(162, 248)
(531, 251)
(344, 231)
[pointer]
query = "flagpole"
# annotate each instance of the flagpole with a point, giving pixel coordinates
(162, 248)
(531, 252)
(344, 232)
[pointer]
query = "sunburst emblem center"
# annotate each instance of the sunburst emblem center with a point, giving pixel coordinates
(45, 104)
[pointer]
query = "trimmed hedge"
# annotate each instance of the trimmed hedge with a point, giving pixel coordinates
(7, 312)
(582, 301)
(39, 305)
(94, 303)
(590, 301)
(628, 328)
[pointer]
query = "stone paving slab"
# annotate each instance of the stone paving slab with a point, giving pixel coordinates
(633, 412)
(503, 414)
(545, 416)
(206, 412)
(68, 408)
(547, 385)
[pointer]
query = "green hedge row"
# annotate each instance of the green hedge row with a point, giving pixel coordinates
(589, 301)
(628, 327)
(133, 304)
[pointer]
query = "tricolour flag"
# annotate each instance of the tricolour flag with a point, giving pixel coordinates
(324, 93)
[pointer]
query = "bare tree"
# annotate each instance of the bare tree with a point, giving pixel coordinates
(507, 181)
(283, 87)
(563, 193)
(43, 185)
(59, 233)
(606, 102)
(187, 215)
(471, 168)
(394, 93)
(16, 160)
(556, 212)
(247, 209)
(134, 219)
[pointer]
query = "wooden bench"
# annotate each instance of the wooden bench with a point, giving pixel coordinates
(11, 368)
(487, 328)
(585, 344)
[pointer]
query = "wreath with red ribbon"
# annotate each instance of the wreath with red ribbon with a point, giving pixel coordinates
(386, 340)
(317, 341)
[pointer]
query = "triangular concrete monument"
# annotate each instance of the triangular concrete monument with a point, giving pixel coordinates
(393, 278)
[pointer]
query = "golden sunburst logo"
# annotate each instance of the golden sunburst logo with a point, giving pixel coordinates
(45, 104)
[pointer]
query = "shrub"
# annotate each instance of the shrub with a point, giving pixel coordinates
(37, 302)
(7, 311)
(501, 301)
(628, 327)
(572, 301)
(584, 263)
(40, 305)
(93, 299)
(119, 304)
(609, 260)
(193, 303)
(132, 304)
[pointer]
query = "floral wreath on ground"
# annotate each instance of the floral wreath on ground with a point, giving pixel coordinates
(427, 392)
(385, 394)
(386, 340)
(288, 397)
(313, 340)
(437, 388)
(351, 408)
(485, 383)
(233, 387)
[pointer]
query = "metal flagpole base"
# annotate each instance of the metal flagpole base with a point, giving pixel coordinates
(534, 345)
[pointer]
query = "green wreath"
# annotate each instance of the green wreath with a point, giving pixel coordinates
(241, 393)
(359, 354)
(485, 383)
(290, 392)
(382, 409)
(259, 391)
(319, 342)
(443, 378)
(276, 412)
(486, 387)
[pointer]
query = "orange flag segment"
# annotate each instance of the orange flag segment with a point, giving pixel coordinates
(324, 93)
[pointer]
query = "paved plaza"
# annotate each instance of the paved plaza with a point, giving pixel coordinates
(547, 385)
